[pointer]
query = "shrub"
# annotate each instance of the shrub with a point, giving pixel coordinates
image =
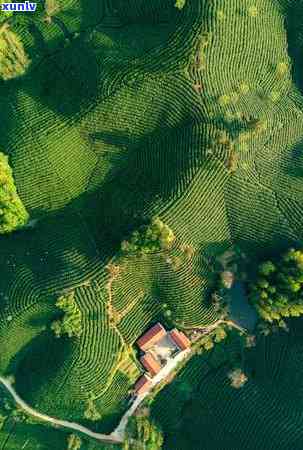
(180, 4)
(70, 323)
(253, 11)
(224, 100)
(13, 214)
(91, 412)
(277, 291)
(149, 238)
(237, 378)
(141, 433)
(13, 60)
(282, 68)
(74, 442)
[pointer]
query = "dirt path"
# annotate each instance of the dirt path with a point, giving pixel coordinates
(117, 436)
(61, 423)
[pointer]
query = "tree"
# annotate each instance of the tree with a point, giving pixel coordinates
(180, 4)
(73, 442)
(142, 434)
(91, 412)
(70, 323)
(277, 290)
(149, 238)
(13, 60)
(219, 334)
(13, 214)
(237, 378)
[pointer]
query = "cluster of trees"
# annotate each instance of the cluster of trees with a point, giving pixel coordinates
(278, 290)
(208, 342)
(149, 238)
(71, 321)
(142, 434)
(13, 60)
(13, 214)
(220, 304)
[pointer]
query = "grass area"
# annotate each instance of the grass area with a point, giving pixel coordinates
(132, 110)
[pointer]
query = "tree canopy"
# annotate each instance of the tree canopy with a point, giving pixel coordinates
(142, 434)
(13, 214)
(278, 289)
(14, 61)
(70, 323)
(149, 238)
(4, 15)
(74, 442)
(180, 4)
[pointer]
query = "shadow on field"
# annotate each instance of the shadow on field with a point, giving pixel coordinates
(67, 81)
(294, 31)
(294, 165)
(35, 366)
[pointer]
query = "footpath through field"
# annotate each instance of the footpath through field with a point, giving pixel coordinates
(118, 435)
(61, 423)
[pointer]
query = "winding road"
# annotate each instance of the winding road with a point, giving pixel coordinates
(118, 435)
(61, 423)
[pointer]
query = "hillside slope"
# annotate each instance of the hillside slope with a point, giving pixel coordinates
(129, 112)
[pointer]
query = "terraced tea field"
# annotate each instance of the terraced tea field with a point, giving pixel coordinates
(265, 413)
(131, 110)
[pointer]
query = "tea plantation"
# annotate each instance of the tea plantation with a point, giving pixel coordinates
(201, 410)
(125, 112)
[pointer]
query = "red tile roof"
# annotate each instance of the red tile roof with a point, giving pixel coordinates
(150, 363)
(142, 385)
(153, 335)
(180, 339)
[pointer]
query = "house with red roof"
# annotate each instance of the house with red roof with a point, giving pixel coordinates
(151, 337)
(158, 346)
(142, 385)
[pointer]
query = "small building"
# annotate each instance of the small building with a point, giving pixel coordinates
(180, 339)
(142, 385)
(158, 347)
(153, 335)
(150, 364)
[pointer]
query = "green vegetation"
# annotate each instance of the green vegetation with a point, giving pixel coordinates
(277, 292)
(208, 342)
(74, 442)
(91, 412)
(149, 238)
(4, 15)
(201, 401)
(51, 7)
(119, 120)
(14, 62)
(180, 4)
(13, 214)
(71, 322)
(237, 378)
(142, 434)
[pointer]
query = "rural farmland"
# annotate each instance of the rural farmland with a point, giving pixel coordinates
(151, 225)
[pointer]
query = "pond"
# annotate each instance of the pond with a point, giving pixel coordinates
(241, 311)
